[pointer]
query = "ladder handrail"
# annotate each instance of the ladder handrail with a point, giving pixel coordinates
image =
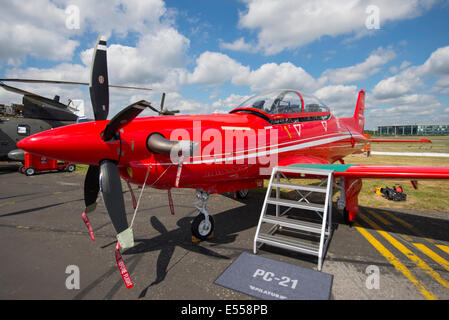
(327, 213)
(264, 208)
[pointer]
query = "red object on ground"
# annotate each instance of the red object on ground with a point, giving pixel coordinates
(35, 163)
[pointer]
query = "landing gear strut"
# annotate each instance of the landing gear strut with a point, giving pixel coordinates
(203, 224)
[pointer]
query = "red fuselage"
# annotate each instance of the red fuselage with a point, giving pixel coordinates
(233, 153)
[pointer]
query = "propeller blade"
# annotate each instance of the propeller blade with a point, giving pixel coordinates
(111, 189)
(122, 118)
(70, 83)
(99, 83)
(162, 101)
(91, 187)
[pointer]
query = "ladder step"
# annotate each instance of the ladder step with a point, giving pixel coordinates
(300, 187)
(290, 244)
(295, 224)
(296, 204)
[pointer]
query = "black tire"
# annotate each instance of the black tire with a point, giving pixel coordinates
(71, 168)
(242, 194)
(200, 230)
(22, 169)
(29, 171)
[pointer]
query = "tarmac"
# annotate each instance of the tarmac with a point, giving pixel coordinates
(42, 234)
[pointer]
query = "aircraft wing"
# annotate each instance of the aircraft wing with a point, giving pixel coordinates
(380, 172)
(401, 140)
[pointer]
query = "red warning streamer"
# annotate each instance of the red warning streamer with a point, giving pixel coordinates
(122, 268)
(88, 225)
(170, 202)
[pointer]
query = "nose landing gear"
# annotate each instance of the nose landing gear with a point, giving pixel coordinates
(203, 224)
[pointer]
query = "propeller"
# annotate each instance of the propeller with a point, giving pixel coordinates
(164, 112)
(105, 178)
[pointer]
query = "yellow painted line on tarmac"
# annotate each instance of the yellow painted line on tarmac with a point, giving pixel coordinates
(409, 226)
(387, 223)
(435, 257)
(443, 248)
(379, 217)
(395, 262)
(420, 263)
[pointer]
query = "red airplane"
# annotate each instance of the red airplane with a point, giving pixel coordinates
(212, 153)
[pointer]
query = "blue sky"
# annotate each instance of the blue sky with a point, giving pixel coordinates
(211, 55)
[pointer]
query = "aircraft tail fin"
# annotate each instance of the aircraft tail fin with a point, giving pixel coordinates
(359, 113)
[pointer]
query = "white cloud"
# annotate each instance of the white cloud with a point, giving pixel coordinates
(404, 65)
(119, 16)
(153, 59)
(289, 24)
(404, 83)
(38, 28)
(214, 68)
(276, 76)
(438, 62)
(362, 70)
(411, 79)
(42, 35)
(237, 45)
(341, 99)
(229, 103)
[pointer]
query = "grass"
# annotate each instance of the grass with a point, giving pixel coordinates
(81, 168)
(431, 194)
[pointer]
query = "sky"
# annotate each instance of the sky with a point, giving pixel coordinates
(211, 55)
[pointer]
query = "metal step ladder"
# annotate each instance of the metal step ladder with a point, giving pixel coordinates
(290, 222)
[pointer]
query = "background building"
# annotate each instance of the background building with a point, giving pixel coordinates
(414, 129)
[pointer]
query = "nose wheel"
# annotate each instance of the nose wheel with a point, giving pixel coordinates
(202, 227)
(203, 224)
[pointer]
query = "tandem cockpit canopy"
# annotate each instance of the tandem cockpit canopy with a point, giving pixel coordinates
(284, 102)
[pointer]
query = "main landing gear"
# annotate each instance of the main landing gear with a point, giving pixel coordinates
(203, 224)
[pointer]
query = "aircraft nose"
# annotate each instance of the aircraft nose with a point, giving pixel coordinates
(29, 144)
(48, 143)
(80, 143)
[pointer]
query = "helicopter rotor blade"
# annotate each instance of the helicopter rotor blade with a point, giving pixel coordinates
(69, 83)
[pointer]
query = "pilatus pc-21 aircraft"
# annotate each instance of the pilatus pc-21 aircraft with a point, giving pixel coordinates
(211, 153)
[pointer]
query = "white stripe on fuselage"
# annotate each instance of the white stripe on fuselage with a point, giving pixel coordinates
(298, 146)
(294, 142)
